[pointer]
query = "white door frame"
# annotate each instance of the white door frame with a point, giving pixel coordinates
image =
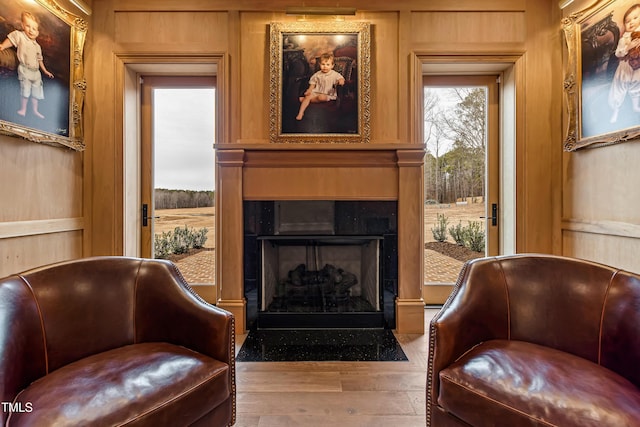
(129, 71)
(510, 69)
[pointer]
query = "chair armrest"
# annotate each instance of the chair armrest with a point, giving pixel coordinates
(168, 310)
(22, 351)
(476, 311)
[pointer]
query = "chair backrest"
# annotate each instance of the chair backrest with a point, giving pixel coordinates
(584, 308)
(344, 65)
(54, 315)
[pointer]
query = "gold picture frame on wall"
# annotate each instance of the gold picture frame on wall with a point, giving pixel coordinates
(42, 92)
(338, 110)
(602, 76)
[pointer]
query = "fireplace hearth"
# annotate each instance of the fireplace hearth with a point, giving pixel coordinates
(320, 264)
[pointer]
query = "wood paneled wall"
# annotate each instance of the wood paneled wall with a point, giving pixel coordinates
(496, 27)
(41, 213)
(191, 29)
(42, 201)
(601, 203)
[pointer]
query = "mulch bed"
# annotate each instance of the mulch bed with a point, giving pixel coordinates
(454, 251)
(178, 257)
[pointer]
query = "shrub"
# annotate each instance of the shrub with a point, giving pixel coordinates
(178, 241)
(200, 238)
(162, 246)
(475, 236)
(440, 230)
(458, 233)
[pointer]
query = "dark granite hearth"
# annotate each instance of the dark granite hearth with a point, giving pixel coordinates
(361, 345)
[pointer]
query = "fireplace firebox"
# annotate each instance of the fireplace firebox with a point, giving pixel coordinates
(320, 264)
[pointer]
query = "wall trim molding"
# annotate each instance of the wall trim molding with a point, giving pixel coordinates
(603, 227)
(12, 229)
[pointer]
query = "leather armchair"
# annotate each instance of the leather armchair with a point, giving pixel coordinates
(113, 341)
(536, 340)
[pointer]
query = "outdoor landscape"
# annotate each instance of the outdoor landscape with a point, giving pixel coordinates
(454, 176)
(442, 260)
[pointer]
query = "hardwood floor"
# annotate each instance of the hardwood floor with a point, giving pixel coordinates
(345, 394)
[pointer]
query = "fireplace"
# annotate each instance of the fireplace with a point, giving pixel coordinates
(370, 190)
(320, 264)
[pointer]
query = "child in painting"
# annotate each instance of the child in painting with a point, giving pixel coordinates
(322, 84)
(30, 62)
(627, 76)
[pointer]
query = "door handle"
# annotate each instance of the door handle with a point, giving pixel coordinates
(494, 214)
(145, 217)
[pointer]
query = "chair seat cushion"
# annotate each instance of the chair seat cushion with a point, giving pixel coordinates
(515, 383)
(149, 384)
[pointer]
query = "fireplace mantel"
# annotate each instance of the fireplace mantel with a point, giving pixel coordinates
(246, 172)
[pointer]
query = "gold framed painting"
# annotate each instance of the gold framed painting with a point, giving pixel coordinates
(320, 82)
(42, 73)
(602, 75)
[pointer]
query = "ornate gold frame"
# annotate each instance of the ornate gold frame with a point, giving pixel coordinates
(577, 27)
(77, 89)
(362, 31)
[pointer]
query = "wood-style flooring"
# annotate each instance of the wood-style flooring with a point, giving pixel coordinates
(345, 394)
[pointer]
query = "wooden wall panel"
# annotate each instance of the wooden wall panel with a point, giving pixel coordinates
(321, 183)
(541, 149)
(39, 181)
(498, 27)
(385, 119)
(184, 29)
(466, 28)
(255, 88)
(306, 174)
(261, 5)
(23, 253)
(41, 194)
(602, 184)
(600, 203)
(617, 251)
(254, 75)
(103, 177)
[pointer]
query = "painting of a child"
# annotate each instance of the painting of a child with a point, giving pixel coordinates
(35, 53)
(30, 61)
(320, 86)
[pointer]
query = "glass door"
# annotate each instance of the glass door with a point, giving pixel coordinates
(177, 179)
(461, 176)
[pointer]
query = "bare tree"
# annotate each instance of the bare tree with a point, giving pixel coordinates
(466, 125)
(173, 199)
(433, 135)
(455, 138)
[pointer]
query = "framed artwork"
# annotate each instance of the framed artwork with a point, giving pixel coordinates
(602, 75)
(42, 73)
(319, 82)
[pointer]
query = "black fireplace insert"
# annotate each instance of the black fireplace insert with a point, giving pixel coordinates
(320, 264)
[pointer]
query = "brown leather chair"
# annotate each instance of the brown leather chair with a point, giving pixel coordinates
(536, 340)
(113, 341)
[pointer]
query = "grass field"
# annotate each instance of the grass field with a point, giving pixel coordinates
(454, 213)
(191, 217)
